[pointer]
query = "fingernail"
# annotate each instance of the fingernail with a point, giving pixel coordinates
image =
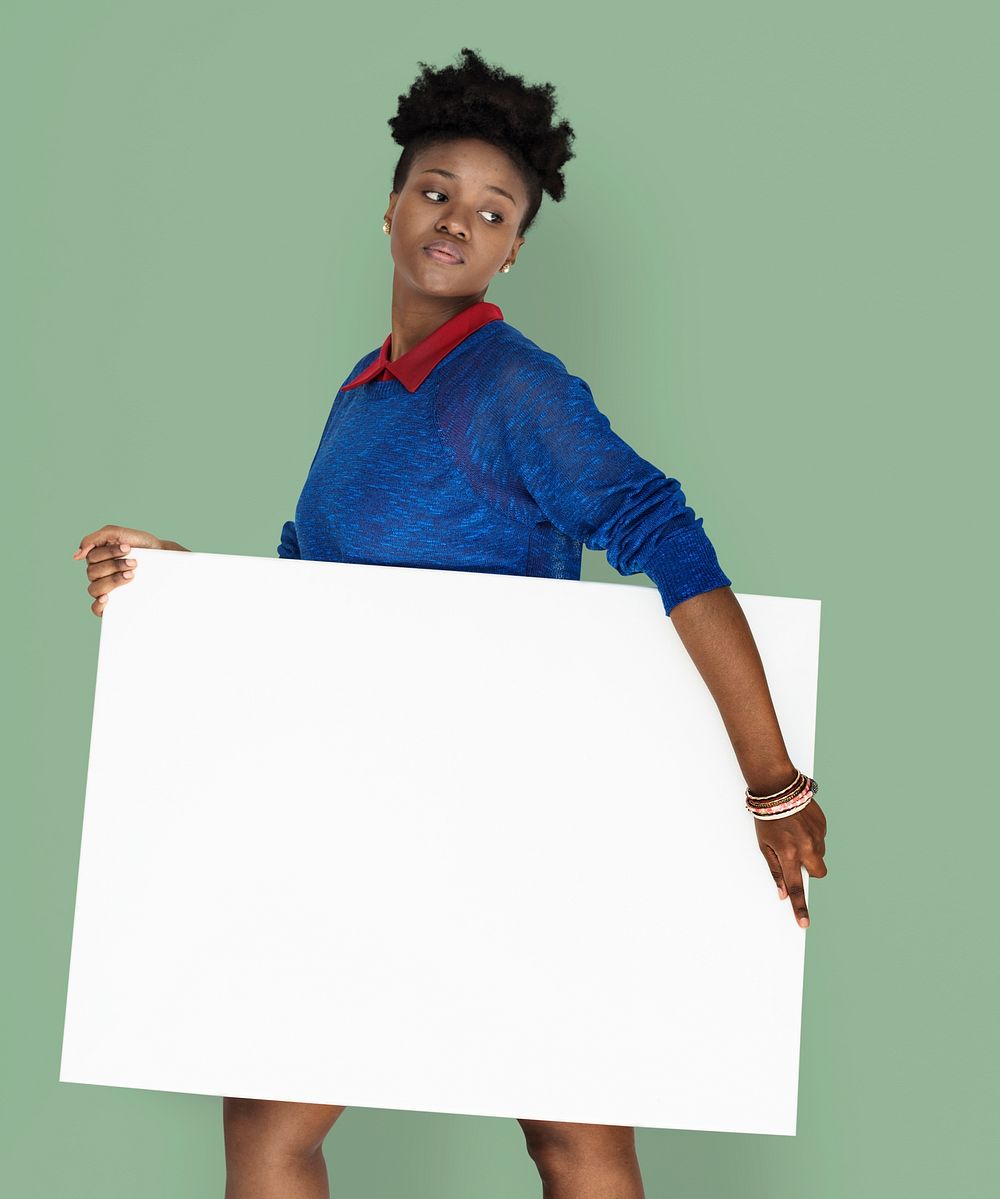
(126, 548)
(803, 922)
(102, 599)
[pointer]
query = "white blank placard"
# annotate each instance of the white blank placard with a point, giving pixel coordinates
(431, 840)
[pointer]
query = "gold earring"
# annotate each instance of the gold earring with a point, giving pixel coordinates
(386, 226)
(505, 268)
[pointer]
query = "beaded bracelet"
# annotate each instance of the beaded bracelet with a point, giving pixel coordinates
(782, 815)
(781, 806)
(786, 802)
(785, 807)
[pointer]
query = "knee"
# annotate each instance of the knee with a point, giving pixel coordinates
(274, 1128)
(556, 1147)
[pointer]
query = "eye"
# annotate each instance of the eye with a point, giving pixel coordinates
(499, 217)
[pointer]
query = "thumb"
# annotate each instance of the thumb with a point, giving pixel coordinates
(115, 535)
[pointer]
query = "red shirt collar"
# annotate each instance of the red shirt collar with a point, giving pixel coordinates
(413, 367)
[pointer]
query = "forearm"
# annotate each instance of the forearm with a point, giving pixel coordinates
(715, 633)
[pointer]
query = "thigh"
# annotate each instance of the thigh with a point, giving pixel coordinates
(577, 1140)
(291, 1127)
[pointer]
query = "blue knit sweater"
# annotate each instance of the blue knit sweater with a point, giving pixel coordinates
(499, 462)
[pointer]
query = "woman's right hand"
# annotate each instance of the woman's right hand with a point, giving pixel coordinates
(107, 567)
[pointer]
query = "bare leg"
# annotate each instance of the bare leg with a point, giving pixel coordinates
(274, 1150)
(584, 1161)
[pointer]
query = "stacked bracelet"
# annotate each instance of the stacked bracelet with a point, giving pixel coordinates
(786, 802)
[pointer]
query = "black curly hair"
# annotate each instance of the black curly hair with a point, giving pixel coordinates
(475, 99)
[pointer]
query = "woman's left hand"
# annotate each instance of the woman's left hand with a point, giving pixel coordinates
(788, 845)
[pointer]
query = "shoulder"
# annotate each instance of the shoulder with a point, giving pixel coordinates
(361, 364)
(514, 364)
(508, 397)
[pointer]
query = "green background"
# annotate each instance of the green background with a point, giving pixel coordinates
(776, 266)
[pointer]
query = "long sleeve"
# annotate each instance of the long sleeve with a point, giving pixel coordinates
(289, 547)
(592, 486)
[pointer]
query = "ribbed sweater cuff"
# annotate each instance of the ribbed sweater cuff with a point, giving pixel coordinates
(685, 564)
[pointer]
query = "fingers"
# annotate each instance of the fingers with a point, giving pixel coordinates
(107, 568)
(787, 874)
(106, 559)
(110, 571)
(792, 871)
(794, 850)
(104, 586)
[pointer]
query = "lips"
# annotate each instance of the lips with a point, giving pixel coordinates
(444, 251)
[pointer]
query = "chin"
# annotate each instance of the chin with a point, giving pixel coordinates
(433, 284)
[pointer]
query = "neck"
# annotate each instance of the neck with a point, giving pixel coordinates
(415, 315)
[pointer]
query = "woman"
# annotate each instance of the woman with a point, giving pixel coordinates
(460, 444)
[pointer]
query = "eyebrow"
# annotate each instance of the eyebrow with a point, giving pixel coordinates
(452, 175)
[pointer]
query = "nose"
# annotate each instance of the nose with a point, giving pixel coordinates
(452, 221)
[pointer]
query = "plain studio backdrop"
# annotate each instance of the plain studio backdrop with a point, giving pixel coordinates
(463, 843)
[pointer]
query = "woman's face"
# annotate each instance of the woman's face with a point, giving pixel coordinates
(468, 194)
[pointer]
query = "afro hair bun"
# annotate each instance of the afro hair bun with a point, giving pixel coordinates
(474, 99)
